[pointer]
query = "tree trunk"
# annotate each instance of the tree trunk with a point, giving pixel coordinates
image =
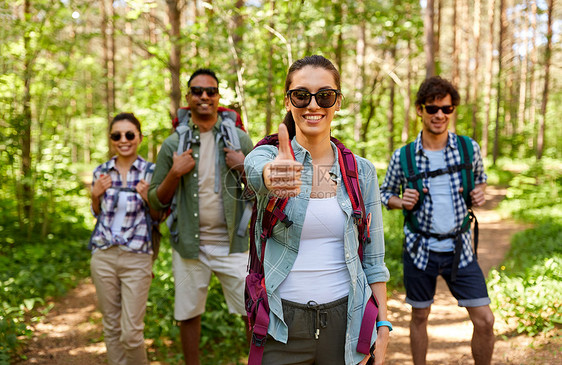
(429, 47)
(174, 16)
(360, 78)
(408, 94)
(523, 76)
(475, 73)
(107, 70)
(533, 81)
(235, 40)
(489, 77)
(390, 109)
(503, 24)
(437, 35)
(27, 178)
(270, 103)
(547, 58)
(457, 36)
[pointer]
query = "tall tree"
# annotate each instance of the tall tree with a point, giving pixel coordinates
(27, 178)
(503, 25)
(533, 82)
(547, 60)
(488, 72)
(390, 109)
(429, 39)
(174, 64)
(476, 72)
(524, 46)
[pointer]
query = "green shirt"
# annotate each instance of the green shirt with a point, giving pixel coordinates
(187, 224)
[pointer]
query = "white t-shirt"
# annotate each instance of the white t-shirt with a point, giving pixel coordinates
(443, 220)
(319, 272)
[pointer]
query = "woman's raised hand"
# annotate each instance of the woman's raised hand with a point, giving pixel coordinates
(282, 176)
(101, 185)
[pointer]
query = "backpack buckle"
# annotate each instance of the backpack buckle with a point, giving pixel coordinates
(287, 222)
(258, 341)
(357, 216)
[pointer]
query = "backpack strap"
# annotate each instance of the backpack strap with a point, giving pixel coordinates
(467, 154)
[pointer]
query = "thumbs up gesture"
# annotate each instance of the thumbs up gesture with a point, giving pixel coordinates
(282, 176)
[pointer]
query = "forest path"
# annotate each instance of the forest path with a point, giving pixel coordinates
(70, 334)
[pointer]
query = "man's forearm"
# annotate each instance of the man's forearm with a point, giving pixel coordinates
(167, 188)
(395, 202)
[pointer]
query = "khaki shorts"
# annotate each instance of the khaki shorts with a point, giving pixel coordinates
(192, 278)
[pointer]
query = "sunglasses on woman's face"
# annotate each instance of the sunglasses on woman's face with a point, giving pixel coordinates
(116, 136)
(198, 90)
(325, 98)
(432, 109)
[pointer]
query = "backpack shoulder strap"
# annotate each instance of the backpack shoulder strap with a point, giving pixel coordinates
(228, 130)
(349, 170)
(410, 169)
(467, 155)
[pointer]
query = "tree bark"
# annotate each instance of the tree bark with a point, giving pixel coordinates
(475, 74)
(27, 178)
(523, 77)
(489, 77)
(174, 65)
(408, 94)
(270, 103)
(503, 25)
(533, 81)
(390, 109)
(547, 60)
(360, 77)
(429, 47)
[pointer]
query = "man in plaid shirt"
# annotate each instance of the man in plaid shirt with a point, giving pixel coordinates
(430, 251)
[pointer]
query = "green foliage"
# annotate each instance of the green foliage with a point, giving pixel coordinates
(526, 289)
(535, 195)
(222, 334)
(33, 274)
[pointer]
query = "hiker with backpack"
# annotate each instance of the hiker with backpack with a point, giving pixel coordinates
(197, 178)
(441, 176)
(122, 250)
(318, 257)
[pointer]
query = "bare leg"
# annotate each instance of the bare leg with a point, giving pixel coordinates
(483, 335)
(190, 332)
(418, 334)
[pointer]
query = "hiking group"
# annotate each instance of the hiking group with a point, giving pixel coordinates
(292, 227)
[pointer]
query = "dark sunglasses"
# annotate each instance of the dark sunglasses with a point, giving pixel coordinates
(325, 98)
(116, 136)
(198, 90)
(432, 109)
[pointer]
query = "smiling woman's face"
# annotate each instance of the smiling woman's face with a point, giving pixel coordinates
(123, 146)
(313, 120)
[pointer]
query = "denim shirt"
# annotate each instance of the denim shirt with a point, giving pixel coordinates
(282, 248)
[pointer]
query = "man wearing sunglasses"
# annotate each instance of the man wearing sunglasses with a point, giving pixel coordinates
(440, 241)
(208, 209)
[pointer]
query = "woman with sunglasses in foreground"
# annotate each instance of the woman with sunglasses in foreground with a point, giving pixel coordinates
(317, 286)
(121, 262)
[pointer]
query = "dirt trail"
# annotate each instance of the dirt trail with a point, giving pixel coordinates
(71, 333)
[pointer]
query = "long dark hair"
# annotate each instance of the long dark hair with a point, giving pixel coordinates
(314, 61)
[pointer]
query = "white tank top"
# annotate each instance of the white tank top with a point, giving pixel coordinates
(319, 272)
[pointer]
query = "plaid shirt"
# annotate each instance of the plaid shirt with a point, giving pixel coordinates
(134, 235)
(395, 181)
